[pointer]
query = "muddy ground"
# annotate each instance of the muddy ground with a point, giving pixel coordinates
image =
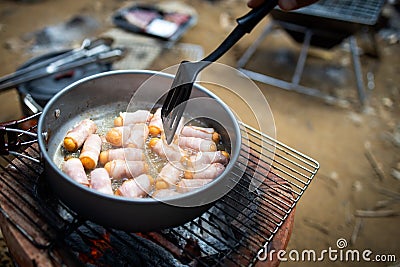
(357, 147)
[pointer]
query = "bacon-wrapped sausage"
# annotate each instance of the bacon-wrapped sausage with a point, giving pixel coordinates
(202, 158)
(119, 169)
(91, 151)
(200, 132)
(124, 153)
(127, 118)
(170, 152)
(169, 175)
(75, 137)
(74, 169)
(164, 193)
(197, 144)
(187, 185)
(156, 125)
(134, 135)
(115, 135)
(100, 181)
(138, 136)
(205, 171)
(137, 187)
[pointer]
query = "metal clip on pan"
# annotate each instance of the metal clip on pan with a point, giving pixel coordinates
(175, 102)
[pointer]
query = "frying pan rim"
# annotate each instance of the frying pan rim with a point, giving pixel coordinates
(49, 106)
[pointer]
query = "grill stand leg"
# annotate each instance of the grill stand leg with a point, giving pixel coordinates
(294, 85)
(253, 47)
(302, 59)
(357, 69)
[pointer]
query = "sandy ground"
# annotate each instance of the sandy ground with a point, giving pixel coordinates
(347, 140)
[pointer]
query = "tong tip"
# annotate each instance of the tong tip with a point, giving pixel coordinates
(170, 125)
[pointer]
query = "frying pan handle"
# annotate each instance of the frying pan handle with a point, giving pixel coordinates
(12, 138)
(251, 19)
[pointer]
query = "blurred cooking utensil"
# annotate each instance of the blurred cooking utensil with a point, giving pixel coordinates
(62, 62)
(175, 102)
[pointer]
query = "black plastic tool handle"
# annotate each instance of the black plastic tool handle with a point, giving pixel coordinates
(175, 102)
(245, 25)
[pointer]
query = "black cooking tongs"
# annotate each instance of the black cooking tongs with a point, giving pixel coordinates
(175, 102)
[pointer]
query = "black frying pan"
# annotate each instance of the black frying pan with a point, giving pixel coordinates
(103, 95)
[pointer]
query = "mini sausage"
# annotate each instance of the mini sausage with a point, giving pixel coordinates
(134, 135)
(119, 169)
(205, 171)
(209, 158)
(74, 169)
(170, 152)
(138, 135)
(115, 135)
(198, 144)
(137, 187)
(169, 175)
(125, 153)
(156, 125)
(200, 132)
(91, 151)
(75, 137)
(127, 118)
(100, 181)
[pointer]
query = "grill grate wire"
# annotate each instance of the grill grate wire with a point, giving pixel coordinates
(254, 225)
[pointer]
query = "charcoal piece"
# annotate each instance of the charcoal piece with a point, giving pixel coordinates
(95, 245)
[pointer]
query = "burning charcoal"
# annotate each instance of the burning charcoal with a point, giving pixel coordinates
(146, 252)
(192, 247)
(96, 246)
(164, 242)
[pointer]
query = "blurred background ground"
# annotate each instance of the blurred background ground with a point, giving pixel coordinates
(358, 148)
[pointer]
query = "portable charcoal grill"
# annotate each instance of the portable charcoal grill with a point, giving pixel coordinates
(324, 24)
(232, 232)
(354, 11)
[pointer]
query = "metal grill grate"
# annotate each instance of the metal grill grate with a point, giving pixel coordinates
(232, 232)
(355, 11)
